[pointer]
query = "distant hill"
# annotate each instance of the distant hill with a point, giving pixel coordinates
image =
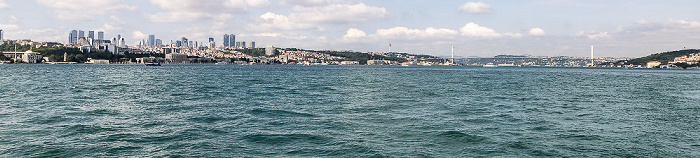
(664, 57)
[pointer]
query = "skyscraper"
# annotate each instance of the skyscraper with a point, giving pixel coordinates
(73, 37)
(151, 40)
(232, 40)
(158, 43)
(81, 33)
(0, 35)
(243, 44)
(184, 42)
(226, 41)
(91, 35)
(100, 35)
(252, 44)
(211, 39)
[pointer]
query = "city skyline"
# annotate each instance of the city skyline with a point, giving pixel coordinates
(475, 28)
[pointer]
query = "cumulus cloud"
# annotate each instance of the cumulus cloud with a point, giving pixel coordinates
(271, 21)
(339, 13)
(475, 7)
(593, 35)
(309, 3)
(354, 33)
(138, 35)
(84, 9)
(4, 5)
(192, 11)
(536, 32)
(474, 30)
(406, 33)
(312, 16)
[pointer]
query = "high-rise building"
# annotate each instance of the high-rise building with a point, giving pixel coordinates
(232, 40)
(238, 44)
(151, 40)
(212, 44)
(81, 33)
(226, 41)
(100, 35)
(0, 35)
(252, 44)
(91, 35)
(178, 43)
(243, 44)
(211, 39)
(184, 42)
(73, 37)
(158, 43)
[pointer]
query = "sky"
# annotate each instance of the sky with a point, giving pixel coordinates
(619, 28)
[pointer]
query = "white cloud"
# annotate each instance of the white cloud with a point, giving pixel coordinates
(309, 3)
(475, 7)
(339, 13)
(593, 35)
(474, 30)
(271, 22)
(4, 5)
(415, 34)
(258, 3)
(354, 33)
(536, 32)
(306, 17)
(194, 11)
(682, 24)
(84, 9)
(138, 35)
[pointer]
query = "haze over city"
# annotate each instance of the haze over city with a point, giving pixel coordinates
(475, 28)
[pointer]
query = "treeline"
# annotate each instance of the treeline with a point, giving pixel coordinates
(256, 52)
(362, 57)
(664, 57)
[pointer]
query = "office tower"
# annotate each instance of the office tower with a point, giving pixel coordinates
(238, 44)
(158, 43)
(232, 40)
(151, 40)
(243, 44)
(119, 36)
(211, 39)
(0, 35)
(91, 34)
(178, 43)
(185, 42)
(212, 44)
(100, 35)
(73, 37)
(252, 44)
(226, 41)
(81, 33)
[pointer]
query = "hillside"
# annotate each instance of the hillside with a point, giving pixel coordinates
(664, 57)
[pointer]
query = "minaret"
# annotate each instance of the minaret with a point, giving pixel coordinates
(452, 60)
(592, 63)
(389, 47)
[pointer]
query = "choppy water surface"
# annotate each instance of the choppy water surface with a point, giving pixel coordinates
(346, 111)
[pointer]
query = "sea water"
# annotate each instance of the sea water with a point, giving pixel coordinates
(346, 111)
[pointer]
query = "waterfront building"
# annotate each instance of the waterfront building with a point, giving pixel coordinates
(176, 58)
(653, 64)
(349, 63)
(26, 57)
(378, 62)
(151, 40)
(168, 50)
